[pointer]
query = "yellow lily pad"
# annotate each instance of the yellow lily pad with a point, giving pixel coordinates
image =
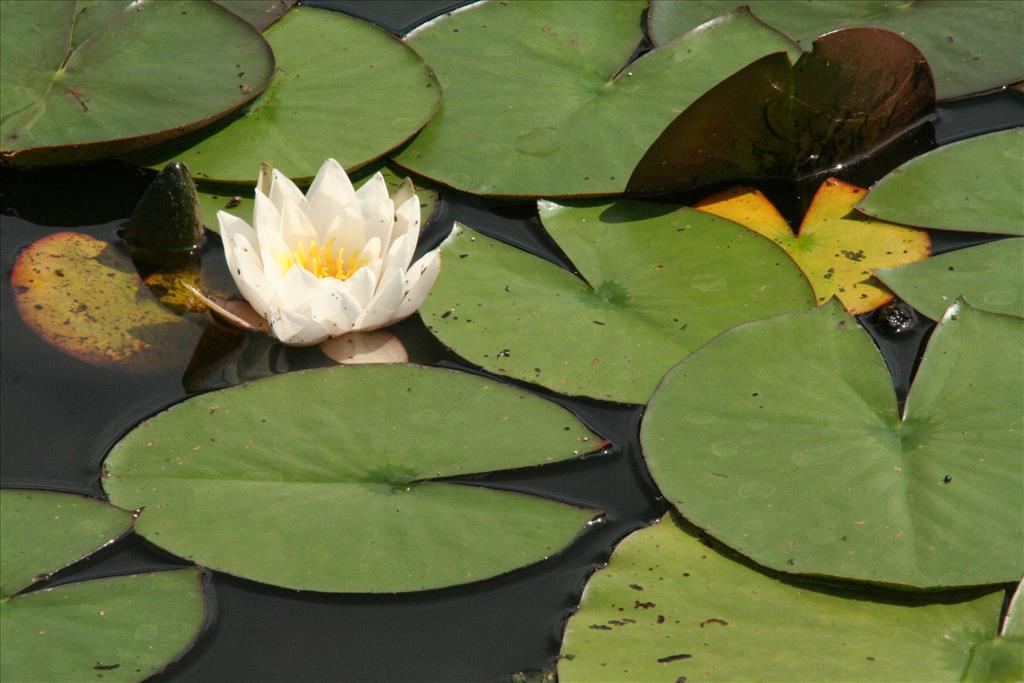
(83, 296)
(836, 248)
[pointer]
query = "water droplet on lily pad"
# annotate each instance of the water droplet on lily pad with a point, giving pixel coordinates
(538, 142)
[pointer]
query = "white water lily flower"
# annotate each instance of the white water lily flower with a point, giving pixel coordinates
(334, 261)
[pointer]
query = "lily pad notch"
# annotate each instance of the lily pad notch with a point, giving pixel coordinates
(348, 484)
(822, 476)
(120, 628)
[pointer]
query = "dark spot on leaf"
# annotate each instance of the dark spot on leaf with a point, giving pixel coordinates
(673, 658)
(714, 620)
(636, 587)
(948, 478)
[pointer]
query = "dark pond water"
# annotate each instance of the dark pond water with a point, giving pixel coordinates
(60, 417)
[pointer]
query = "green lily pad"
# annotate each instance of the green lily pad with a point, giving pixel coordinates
(974, 185)
(124, 628)
(782, 439)
(70, 98)
(336, 472)
(239, 200)
(1001, 659)
(84, 297)
(540, 101)
(858, 92)
(45, 531)
(989, 276)
(259, 13)
(668, 608)
(656, 282)
(972, 46)
(343, 88)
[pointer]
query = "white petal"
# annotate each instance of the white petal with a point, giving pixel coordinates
(383, 307)
(265, 215)
(272, 247)
(284, 191)
(361, 286)
(295, 227)
(296, 289)
(330, 193)
(346, 229)
(250, 278)
(333, 307)
(295, 329)
(230, 226)
(378, 209)
(370, 257)
(404, 192)
(400, 254)
(407, 220)
(243, 261)
(419, 282)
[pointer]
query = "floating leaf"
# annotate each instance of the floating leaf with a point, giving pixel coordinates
(857, 92)
(1001, 659)
(83, 297)
(836, 250)
(336, 472)
(989, 276)
(541, 100)
(974, 185)
(782, 439)
(656, 282)
(259, 13)
(68, 99)
(343, 88)
(971, 46)
(122, 629)
(238, 201)
(668, 608)
(45, 531)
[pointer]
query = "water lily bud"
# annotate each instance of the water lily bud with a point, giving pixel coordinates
(333, 261)
(167, 219)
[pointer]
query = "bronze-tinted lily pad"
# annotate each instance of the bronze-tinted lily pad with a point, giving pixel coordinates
(856, 92)
(835, 248)
(83, 296)
(259, 13)
(971, 45)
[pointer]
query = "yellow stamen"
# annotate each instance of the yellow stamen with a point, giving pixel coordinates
(321, 261)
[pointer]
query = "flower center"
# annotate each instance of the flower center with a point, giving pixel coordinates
(319, 261)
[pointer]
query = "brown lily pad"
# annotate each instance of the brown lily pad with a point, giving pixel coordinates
(83, 296)
(858, 91)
